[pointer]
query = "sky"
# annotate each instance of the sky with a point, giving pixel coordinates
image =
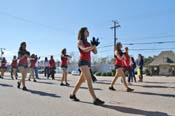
(48, 26)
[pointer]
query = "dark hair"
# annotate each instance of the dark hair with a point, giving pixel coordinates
(46, 59)
(81, 35)
(23, 43)
(3, 60)
(14, 57)
(132, 59)
(63, 52)
(117, 47)
(126, 48)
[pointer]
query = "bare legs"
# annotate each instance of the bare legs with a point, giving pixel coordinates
(64, 77)
(24, 74)
(85, 74)
(120, 73)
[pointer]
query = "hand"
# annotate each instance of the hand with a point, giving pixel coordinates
(95, 41)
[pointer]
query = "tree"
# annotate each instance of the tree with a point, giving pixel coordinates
(148, 60)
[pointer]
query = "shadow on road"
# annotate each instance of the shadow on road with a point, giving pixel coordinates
(86, 88)
(135, 111)
(49, 83)
(156, 94)
(154, 86)
(159, 82)
(129, 110)
(5, 85)
(42, 93)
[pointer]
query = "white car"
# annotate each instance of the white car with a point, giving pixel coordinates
(75, 73)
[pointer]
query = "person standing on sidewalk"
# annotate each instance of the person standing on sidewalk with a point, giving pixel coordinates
(36, 66)
(133, 67)
(46, 68)
(140, 63)
(52, 66)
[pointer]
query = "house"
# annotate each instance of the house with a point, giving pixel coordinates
(163, 64)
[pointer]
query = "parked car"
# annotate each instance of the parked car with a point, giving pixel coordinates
(75, 73)
(40, 71)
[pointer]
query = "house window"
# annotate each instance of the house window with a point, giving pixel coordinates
(155, 68)
(165, 59)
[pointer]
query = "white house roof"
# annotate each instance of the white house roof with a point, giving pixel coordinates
(164, 58)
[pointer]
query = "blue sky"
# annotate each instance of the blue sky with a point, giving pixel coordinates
(50, 25)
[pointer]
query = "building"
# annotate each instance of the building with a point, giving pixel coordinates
(163, 64)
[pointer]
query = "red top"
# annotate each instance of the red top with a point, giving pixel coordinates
(23, 60)
(52, 64)
(118, 61)
(3, 64)
(14, 64)
(32, 63)
(127, 60)
(85, 55)
(64, 61)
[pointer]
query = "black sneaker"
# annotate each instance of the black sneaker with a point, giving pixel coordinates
(34, 80)
(18, 84)
(94, 79)
(98, 102)
(112, 88)
(62, 84)
(24, 88)
(129, 90)
(67, 84)
(73, 97)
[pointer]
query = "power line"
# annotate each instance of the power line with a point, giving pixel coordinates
(152, 37)
(28, 21)
(141, 43)
(159, 42)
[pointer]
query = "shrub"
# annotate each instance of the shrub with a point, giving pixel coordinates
(147, 72)
(109, 74)
(104, 74)
(98, 73)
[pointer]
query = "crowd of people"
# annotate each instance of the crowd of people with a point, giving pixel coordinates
(124, 65)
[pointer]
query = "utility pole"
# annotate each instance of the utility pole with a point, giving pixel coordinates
(2, 51)
(115, 26)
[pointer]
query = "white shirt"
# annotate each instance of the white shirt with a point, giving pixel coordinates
(46, 64)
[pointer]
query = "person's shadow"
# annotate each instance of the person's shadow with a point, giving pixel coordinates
(5, 85)
(49, 83)
(129, 110)
(155, 94)
(42, 93)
